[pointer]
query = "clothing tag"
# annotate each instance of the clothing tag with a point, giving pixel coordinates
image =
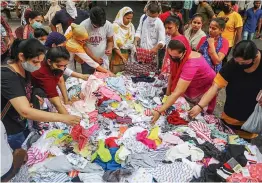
(245, 172)
(235, 165)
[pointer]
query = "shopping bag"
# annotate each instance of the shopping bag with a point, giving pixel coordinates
(254, 122)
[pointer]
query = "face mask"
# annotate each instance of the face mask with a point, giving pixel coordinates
(151, 20)
(175, 59)
(246, 66)
(29, 67)
(36, 25)
(57, 72)
(226, 9)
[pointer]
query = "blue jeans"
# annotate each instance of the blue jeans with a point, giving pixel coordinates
(15, 141)
(248, 36)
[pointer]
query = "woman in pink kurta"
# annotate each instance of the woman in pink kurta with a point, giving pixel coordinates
(190, 76)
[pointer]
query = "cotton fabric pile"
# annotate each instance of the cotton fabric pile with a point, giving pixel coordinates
(115, 140)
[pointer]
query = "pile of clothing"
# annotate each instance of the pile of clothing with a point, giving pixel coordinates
(116, 142)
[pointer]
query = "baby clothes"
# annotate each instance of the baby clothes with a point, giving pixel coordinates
(142, 137)
(109, 93)
(35, 156)
(116, 83)
(201, 129)
(175, 172)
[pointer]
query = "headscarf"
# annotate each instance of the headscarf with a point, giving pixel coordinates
(71, 8)
(52, 10)
(120, 15)
(123, 34)
(79, 31)
(176, 68)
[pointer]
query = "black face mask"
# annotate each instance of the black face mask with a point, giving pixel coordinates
(226, 9)
(175, 59)
(246, 66)
(57, 72)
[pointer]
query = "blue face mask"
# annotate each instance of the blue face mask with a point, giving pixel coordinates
(36, 25)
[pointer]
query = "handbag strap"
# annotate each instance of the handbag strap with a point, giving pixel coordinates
(8, 104)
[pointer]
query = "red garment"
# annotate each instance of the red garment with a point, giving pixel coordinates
(45, 79)
(142, 137)
(110, 115)
(165, 15)
(82, 135)
(224, 48)
(175, 119)
(110, 142)
(100, 101)
(175, 67)
(9, 34)
(144, 55)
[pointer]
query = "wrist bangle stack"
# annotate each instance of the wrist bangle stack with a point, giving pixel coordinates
(200, 107)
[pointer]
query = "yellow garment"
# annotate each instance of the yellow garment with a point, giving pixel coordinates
(54, 133)
(164, 99)
(60, 136)
(139, 108)
(234, 21)
(84, 152)
(154, 135)
(114, 105)
(79, 32)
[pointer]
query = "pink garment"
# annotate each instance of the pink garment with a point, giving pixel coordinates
(93, 116)
(101, 75)
(109, 93)
(87, 104)
(171, 139)
(201, 76)
(254, 171)
(35, 156)
(142, 137)
(201, 129)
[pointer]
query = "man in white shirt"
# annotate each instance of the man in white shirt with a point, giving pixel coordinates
(100, 41)
(151, 31)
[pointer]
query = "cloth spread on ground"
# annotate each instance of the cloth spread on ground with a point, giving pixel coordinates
(116, 141)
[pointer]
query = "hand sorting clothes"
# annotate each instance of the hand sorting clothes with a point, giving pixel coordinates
(116, 142)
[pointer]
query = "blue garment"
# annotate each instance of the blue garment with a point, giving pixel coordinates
(15, 141)
(117, 84)
(204, 50)
(110, 165)
(252, 20)
(107, 103)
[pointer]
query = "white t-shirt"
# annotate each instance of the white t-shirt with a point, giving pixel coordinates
(6, 152)
(97, 37)
(150, 33)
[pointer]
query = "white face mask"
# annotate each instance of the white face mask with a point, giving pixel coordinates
(151, 20)
(29, 67)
